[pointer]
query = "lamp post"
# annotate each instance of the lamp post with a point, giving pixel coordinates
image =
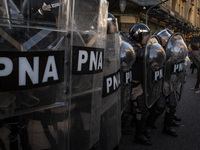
(151, 8)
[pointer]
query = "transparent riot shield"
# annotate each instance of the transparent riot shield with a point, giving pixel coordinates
(110, 129)
(34, 100)
(174, 74)
(128, 58)
(187, 63)
(154, 59)
(182, 78)
(88, 25)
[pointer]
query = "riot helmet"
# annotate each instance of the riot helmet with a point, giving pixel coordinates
(170, 31)
(138, 31)
(112, 25)
(128, 55)
(163, 36)
(41, 9)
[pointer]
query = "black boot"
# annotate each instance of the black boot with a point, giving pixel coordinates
(124, 118)
(148, 132)
(170, 131)
(142, 139)
(175, 124)
(140, 136)
(176, 118)
(151, 122)
(167, 125)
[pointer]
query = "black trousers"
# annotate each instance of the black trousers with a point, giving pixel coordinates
(141, 114)
(198, 79)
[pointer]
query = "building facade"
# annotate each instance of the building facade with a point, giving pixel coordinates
(178, 15)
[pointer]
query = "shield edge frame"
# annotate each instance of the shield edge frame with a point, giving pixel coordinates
(145, 71)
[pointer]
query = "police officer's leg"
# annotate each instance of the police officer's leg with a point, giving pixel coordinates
(172, 107)
(176, 118)
(125, 115)
(169, 116)
(141, 118)
(156, 111)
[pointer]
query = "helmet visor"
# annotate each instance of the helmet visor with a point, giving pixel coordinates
(164, 35)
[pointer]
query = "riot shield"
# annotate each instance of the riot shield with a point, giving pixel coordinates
(34, 101)
(154, 59)
(110, 128)
(182, 78)
(128, 58)
(187, 63)
(88, 25)
(174, 72)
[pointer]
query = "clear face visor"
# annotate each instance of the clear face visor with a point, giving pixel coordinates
(112, 25)
(164, 36)
(146, 33)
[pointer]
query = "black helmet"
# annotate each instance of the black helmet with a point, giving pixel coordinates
(111, 21)
(41, 9)
(164, 36)
(137, 31)
(170, 31)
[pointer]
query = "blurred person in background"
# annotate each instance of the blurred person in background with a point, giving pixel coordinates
(193, 47)
(196, 60)
(195, 56)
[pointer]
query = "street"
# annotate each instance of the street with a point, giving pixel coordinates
(188, 133)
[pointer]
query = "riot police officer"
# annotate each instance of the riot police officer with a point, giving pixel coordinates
(128, 58)
(111, 101)
(167, 98)
(138, 35)
(52, 123)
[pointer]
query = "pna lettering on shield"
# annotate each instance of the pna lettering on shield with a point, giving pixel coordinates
(158, 74)
(111, 83)
(87, 60)
(178, 68)
(30, 69)
(25, 68)
(94, 58)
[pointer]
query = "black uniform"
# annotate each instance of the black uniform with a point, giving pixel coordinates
(169, 103)
(137, 96)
